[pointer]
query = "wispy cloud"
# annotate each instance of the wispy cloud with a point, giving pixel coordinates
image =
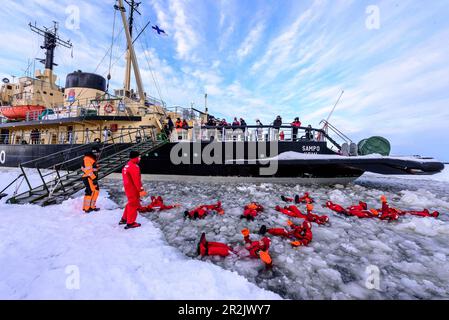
(251, 40)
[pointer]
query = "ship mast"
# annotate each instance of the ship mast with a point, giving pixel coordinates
(131, 58)
(51, 41)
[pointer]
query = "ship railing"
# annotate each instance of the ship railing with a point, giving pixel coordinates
(69, 112)
(185, 113)
(250, 133)
(328, 126)
(58, 165)
(74, 137)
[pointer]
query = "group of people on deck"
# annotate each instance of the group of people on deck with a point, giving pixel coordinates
(240, 124)
(237, 123)
(170, 126)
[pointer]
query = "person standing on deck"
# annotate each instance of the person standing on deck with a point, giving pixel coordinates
(133, 189)
(90, 180)
(106, 134)
(296, 124)
(170, 123)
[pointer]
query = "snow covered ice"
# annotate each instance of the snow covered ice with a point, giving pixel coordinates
(159, 260)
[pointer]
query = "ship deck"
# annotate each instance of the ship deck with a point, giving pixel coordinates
(68, 120)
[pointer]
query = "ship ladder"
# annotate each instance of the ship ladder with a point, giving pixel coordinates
(63, 179)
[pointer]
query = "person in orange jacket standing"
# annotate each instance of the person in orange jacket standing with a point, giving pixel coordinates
(133, 189)
(90, 180)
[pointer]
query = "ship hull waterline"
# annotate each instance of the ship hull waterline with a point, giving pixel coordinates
(159, 166)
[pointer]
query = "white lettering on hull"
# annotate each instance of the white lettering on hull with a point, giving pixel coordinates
(311, 149)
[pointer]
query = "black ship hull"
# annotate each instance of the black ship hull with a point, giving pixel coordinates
(188, 160)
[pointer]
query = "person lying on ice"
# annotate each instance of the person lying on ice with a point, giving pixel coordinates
(302, 235)
(202, 211)
(251, 210)
(293, 211)
(157, 203)
(256, 249)
(304, 199)
(359, 210)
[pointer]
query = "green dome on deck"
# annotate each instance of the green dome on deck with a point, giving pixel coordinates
(374, 145)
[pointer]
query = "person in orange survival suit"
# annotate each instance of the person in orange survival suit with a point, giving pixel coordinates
(258, 249)
(302, 235)
(90, 180)
(311, 217)
(306, 198)
(157, 203)
(208, 248)
(202, 211)
(251, 210)
(293, 211)
(133, 189)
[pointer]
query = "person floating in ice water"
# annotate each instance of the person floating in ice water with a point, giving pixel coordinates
(360, 211)
(311, 217)
(133, 189)
(294, 212)
(202, 211)
(301, 235)
(386, 213)
(424, 213)
(389, 213)
(306, 198)
(157, 203)
(207, 248)
(256, 249)
(251, 210)
(297, 199)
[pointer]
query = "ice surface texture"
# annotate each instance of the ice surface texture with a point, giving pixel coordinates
(412, 254)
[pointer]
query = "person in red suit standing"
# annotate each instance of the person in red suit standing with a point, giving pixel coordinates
(133, 189)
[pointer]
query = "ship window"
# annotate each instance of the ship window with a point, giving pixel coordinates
(9, 87)
(51, 94)
(45, 92)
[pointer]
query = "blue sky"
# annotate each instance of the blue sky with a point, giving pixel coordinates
(258, 59)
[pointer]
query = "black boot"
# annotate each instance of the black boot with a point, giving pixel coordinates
(202, 243)
(133, 225)
(263, 230)
(122, 222)
(297, 199)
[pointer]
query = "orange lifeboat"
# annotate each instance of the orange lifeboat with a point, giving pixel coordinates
(20, 112)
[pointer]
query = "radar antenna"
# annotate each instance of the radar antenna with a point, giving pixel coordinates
(51, 41)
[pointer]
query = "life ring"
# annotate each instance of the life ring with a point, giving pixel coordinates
(109, 108)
